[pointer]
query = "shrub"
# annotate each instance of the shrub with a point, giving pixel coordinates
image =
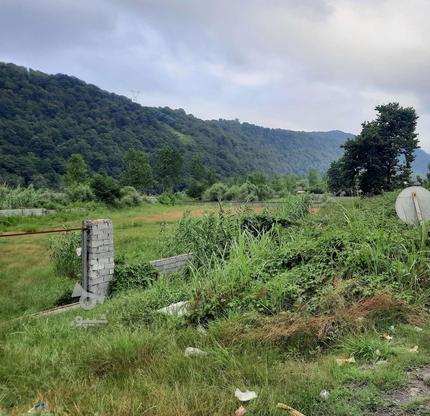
(248, 192)
(62, 252)
(196, 189)
(132, 276)
(264, 191)
(106, 189)
(79, 193)
(167, 198)
(216, 192)
(21, 197)
(129, 197)
(232, 193)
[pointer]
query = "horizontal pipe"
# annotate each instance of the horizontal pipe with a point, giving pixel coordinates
(64, 230)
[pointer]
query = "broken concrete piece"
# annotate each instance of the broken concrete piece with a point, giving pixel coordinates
(176, 309)
(240, 411)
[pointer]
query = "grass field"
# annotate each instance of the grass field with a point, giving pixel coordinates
(27, 281)
(135, 364)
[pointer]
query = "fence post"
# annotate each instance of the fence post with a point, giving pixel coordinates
(98, 256)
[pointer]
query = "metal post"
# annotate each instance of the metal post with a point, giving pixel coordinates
(84, 255)
(417, 208)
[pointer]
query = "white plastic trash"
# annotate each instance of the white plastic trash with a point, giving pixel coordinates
(189, 351)
(245, 396)
(324, 394)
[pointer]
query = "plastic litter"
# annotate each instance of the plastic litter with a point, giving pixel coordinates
(289, 409)
(176, 309)
(418, 329)
(240, 411)
(324, 394)
(37, 409)
(79, 251)
(342, 361)
(387, 337)
(189, 351)
(392, 329)
(414, 349)
(245, 396)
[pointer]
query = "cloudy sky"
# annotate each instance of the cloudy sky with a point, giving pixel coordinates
(296, 64)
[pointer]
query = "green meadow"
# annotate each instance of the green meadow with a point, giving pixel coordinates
(283, 301)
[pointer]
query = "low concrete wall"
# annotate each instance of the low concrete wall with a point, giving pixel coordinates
(38, 212)
(23, 212)
(172, 264)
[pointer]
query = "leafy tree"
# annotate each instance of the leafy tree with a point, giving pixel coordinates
(337, 181)
(105, 188)
(169, 166)
(76, 171)
(138, 172)
(256, 178)
(314, 178)
(380, 157)
(198, 171)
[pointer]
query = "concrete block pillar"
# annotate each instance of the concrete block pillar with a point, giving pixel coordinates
(98, 266)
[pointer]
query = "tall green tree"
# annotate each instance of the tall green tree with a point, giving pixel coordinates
(137, 170)
(380, 157)
(168, 167)
(76, 171)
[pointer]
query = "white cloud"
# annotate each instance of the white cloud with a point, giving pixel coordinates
(310, 64)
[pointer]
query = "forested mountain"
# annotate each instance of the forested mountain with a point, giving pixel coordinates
(44, 119)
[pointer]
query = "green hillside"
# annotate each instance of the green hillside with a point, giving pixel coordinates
(46, 118)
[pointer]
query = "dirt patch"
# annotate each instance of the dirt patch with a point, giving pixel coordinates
(178, 214)
(314, 210)
(411, 399)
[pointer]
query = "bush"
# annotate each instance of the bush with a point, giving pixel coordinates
(106, 189)
(79, 193)
(62, 252)
(128, 276)
(129, 197)
(215, 193)
(196, 189)
(21, 197)
(248, 192)
(232, 193)
(167, 198)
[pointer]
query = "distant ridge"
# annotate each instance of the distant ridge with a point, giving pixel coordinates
(46, 118)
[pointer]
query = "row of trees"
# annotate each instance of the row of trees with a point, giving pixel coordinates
(380, 157)
(165, 176)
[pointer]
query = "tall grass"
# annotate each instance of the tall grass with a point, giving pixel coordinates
(28, 197)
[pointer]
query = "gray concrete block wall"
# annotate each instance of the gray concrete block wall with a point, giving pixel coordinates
(100, 255)
(23, 212)
(172, 264)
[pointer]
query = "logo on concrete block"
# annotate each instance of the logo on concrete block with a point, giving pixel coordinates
(87, 300)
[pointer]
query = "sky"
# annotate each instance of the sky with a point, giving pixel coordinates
(296, 64)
